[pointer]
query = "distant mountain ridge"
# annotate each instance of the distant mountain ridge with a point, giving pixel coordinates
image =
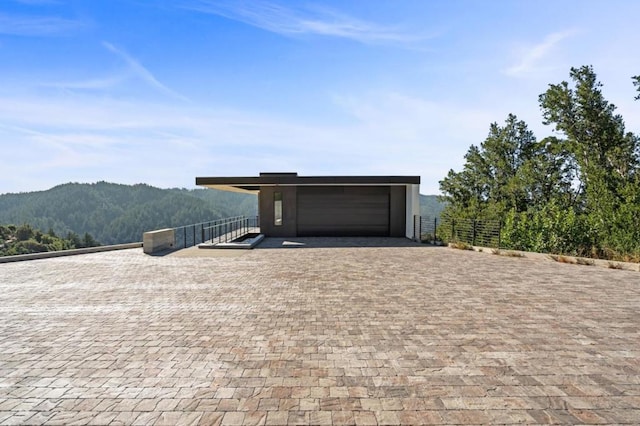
(115, 213)
(431, 206)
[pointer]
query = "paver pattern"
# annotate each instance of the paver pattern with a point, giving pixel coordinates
(345, 331)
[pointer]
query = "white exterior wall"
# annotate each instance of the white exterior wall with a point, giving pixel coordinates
(413, 207)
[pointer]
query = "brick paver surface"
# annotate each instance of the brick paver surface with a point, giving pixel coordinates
(396, 334)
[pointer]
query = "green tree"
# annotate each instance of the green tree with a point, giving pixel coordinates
(606, 156)
(4, 233)
(88, 241)
(24, 232)
(595, 135)
(466, 192)
(509, 171)
(74, 240)
(549, 175)
(636, 82)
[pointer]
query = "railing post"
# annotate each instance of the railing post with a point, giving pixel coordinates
(499, 233)
(435, 230)
(473, 238)
(194, 235)
(453, 229)
(184, 241)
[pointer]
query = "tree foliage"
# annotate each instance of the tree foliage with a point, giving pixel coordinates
(508, 171)
(576, 193)
(25, 239)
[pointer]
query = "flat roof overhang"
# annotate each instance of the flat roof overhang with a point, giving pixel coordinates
(253, 184)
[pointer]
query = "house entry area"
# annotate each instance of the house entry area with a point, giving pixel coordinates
(329, 206)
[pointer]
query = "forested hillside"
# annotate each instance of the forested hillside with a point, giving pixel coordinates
(431, 206)
(114, 213)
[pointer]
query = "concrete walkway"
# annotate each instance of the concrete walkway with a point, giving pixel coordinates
(350, 331)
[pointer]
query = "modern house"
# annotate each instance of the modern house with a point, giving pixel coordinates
(304, 206)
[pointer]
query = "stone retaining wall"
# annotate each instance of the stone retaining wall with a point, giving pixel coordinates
(49, 254)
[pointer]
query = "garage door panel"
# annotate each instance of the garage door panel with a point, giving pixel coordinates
(324, 211)
(338, 218)
(346, 231)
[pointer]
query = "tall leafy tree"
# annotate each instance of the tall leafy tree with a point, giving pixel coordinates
(605, 154)
(550, 174)
(508, 171)
(595, 135)
(466, 192)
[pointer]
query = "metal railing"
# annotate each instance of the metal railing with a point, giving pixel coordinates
(220, 230)
(426, 229)
(476, 232)
(230, 230)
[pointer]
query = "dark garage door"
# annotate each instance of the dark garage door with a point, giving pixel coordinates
(343, 211)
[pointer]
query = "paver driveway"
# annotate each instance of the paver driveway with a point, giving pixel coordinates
(317, 335)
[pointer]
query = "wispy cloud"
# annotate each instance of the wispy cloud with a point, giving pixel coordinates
(531, 57)
(287, 21)
(36, 26)
(90, 84)
(88, 137)
(141, 72)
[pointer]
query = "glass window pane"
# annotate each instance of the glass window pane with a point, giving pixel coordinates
(277, 208)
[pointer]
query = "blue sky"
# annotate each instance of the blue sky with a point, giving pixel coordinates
(160, 92)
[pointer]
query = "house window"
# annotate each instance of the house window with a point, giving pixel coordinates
(277, 208)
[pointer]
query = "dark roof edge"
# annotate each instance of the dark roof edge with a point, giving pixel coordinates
(282, 179)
